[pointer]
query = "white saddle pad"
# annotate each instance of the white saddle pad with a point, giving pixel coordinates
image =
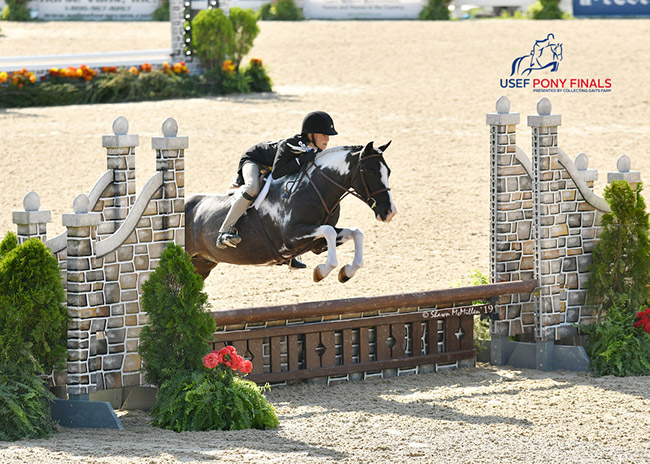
(262, 195)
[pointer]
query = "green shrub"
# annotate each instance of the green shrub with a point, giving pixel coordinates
(621, 258)
(209, 400)
(176, 337)
(281, 10)
(33, 317)
(244, 23)
(162, 12)
(212, 37)
(258, 79)
(15, 10)
(435, 10)
(24, 405)
(546, 9)
(615, 347)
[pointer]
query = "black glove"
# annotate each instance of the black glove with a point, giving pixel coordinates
(306, 157)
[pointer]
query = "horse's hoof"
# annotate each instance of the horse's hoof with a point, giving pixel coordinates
(317, 275)
(343, 277)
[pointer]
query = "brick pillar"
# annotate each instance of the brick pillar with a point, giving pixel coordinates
(169, 224)
(81, 228)
(31, 222)
(623, 172)
(120, 195)
(549, 223)
(511, 248)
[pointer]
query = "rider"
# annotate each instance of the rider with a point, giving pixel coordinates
(282, 158)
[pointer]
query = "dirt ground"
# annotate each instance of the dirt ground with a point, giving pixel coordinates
(427, 87)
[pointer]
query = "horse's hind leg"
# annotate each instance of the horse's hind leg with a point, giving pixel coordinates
(348, 271)
(203, 266)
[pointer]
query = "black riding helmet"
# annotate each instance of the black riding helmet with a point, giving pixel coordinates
(318, 122)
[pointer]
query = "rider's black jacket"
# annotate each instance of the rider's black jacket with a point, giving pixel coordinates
(280, 157)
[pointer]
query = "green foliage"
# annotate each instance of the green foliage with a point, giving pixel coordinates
(621, 259)
(15, 10)
(281, 10)
(213, 37)
(435, 10)
(24, 405)
(162, 12)
(176, 338)
(33, 317)
(211, 400)
(546, 9)
(615, 347)
(234, 82)
(8, 243)
(258, 79)
(244, 23)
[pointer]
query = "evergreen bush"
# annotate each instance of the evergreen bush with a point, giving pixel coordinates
(213, 37)
(244, 23)
(15, 10)
(546, 9)
(618, 286)
(33, 316)
(162, 12)
(280, 10)
(176, 337)
(24, 404)
(435, 10)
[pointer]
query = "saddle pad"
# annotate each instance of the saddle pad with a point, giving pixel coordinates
(262, 195)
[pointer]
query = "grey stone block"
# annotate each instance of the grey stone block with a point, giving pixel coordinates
(113, 361)
(112, 293)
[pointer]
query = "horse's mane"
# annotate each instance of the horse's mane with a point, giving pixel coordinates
(346, 148)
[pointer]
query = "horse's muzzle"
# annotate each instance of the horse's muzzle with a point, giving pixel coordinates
(386, 214)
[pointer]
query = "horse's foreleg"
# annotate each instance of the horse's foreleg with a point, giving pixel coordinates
(348, 271)
(329, 234)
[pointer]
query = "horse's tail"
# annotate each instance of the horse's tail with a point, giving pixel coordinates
(515, 64)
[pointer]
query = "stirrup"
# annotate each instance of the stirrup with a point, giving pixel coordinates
(230, 238)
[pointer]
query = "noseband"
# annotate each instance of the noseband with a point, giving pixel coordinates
(359, 171)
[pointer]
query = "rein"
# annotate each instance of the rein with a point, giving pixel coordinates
(369, 198)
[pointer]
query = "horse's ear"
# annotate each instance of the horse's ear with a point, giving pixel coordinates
(383, 147)
(368, 148)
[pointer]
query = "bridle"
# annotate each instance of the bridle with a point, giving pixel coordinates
(359, 171)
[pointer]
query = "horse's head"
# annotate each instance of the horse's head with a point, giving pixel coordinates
(371, 183)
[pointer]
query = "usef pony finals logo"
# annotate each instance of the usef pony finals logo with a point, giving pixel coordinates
(545, 56)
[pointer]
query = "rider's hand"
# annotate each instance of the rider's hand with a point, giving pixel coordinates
(306, 157)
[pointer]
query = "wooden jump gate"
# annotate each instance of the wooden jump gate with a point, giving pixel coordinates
(353, 338)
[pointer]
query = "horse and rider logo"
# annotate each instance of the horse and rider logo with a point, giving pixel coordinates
(545, 54)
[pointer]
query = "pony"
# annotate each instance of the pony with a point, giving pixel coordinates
(298, 214)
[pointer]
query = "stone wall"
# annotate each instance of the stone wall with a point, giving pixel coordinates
(112, 243)
(545, 222)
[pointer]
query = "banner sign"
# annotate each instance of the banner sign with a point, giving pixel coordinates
(362, 9)
(611, 7)
(98, 10)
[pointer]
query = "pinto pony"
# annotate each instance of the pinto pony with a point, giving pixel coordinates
(298, 214)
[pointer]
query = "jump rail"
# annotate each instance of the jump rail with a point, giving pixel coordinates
(353, 346)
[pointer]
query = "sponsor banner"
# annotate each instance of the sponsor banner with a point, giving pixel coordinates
(362, 9)
(98, 10)
(611, 7)
(534, 71)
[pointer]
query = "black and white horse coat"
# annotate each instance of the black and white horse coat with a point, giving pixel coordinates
(296, 222)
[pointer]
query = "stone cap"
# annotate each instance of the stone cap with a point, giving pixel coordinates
(81, 217)
(544, 118)
(582, 165)
(623, 165)
(31, 214)
(170, 139)
(503, 116)
(120, 137)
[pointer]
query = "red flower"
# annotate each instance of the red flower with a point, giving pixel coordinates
(247, 366)
(643, 320)
(211, 360)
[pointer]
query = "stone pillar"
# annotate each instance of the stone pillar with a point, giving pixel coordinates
(623, 166)
(169, 224)
(511, 248)
(82, 294)
(120, 195)
(31, 222)
(549, 223)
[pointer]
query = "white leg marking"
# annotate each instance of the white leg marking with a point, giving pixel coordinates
(348, 271)
(329, 234)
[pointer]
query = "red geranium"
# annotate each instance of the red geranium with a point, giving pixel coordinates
(643, 320)
(227, 356)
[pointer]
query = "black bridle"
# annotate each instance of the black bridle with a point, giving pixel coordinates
(359, 171)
